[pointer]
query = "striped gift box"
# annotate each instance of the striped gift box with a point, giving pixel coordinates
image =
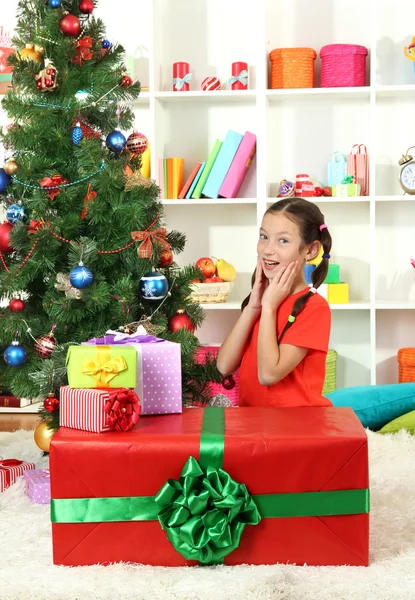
(83, 409)
(11, 469)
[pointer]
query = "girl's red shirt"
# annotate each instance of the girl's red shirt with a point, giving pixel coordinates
(304, 385)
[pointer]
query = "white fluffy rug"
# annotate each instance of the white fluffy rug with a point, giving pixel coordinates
(27, 572)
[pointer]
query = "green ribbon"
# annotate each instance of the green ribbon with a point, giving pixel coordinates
(205, 511)
(348, 179)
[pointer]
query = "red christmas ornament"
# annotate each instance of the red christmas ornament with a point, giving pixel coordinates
(166, 258)
(47, 78)
(5, 230)
(126, 81)
(180, 320)
(16, 305)
(228, 382)
(51, 403)
(46, 344)
(86, 7)
(70, 25)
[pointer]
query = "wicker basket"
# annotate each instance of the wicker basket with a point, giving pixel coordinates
(406, 360)
(292, 68)
(330, 380)
(207, 293)
(343, 65)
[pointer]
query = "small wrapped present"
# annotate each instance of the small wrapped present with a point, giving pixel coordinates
(347, 188)
(215, 485)
(6, 48)
(38, 485)
(103, 366)
(99, 410)
(11, 469)
(159, 370)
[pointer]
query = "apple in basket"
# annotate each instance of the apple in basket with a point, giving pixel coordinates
(213, 279)
(206, 266)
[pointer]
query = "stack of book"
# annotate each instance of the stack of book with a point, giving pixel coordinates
(221, 175)
(7, 400)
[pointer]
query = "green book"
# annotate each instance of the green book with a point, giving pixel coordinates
(206, 171)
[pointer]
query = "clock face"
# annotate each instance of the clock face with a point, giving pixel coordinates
(408, 176)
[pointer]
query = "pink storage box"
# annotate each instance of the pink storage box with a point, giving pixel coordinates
(343, 65)
(218, 388)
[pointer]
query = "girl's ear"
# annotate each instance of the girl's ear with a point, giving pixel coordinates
(313, 250)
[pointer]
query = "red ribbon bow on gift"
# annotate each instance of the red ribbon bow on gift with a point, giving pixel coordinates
(83, 50)
(123, 408)
(5, 467)
(147, 239)
(53, 182)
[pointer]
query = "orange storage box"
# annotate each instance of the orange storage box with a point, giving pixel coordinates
(292, 68)
(406, 360)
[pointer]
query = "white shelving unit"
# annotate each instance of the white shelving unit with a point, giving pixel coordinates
(297, 131)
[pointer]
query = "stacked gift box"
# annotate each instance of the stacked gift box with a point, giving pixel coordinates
(115, 378)
(332, 289)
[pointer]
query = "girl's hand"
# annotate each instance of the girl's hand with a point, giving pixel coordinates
(260, 285)
(280, 287)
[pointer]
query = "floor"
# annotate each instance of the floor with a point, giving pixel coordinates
(12, 422)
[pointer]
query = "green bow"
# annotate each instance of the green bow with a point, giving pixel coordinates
(348, 179)
(205, 512)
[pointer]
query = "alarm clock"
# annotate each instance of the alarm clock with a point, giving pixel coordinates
(407, 174)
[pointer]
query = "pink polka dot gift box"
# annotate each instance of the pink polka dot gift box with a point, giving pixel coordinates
(159, 371)
(38, 485)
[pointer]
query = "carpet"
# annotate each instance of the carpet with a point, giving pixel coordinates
(27, 572)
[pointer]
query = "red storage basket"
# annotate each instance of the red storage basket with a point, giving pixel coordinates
(343, 65)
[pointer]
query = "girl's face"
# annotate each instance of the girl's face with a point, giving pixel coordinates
(279, 244)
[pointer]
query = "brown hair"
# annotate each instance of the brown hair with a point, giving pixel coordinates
(309, 219)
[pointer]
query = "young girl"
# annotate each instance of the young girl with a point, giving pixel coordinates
(281, 338)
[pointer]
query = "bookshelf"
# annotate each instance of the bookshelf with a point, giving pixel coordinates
(297, 130)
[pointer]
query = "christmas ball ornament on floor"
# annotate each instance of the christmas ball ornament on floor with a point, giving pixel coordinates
(51, 403)
(81, 277)
(5, 180)
(15, 355)
(42, 436)
(115, 141)
(16, 213)
(70, 25)
(45, 345)
(153, 286)
(180, 320)
(16, 305)
(137, 143)
(5, 229)
(11, 166)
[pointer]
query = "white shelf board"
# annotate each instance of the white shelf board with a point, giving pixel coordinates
(328, 199)
(351, 306)
(392, 198)
(391, 305)
(168, 202)
(31, 408)
(335, 92)
(229, 96)
(393, 91)
(237, 306)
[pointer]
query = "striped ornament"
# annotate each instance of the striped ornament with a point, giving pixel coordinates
(210, 84)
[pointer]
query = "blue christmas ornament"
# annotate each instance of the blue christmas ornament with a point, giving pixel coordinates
(16, 213)
(106, 44)
(81, 277)
(5, 180)
(77, 134)
(15, 355)
(81, 95)
(115, 141)
(153, 286)
(54, 3)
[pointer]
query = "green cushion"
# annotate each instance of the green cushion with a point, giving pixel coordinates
(376, 405)
(404, 422)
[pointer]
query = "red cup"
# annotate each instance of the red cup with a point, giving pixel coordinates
(180, 69)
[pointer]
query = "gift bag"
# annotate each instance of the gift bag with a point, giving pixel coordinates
(138, 66)
(337, 168)
(358, 166)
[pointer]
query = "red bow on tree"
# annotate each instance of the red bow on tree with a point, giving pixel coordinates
(147, 239)
(83, 50)
(34, 226)
(90, 195)
(53, 182)
(123, 408)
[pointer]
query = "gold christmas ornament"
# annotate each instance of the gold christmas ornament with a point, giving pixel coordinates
(47, 78)
(11, 166)
(43, 435)
(64, 285)
(145, 322)
(134, 179)
(32, 52)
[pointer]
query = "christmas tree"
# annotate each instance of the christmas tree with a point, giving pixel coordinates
(84, 248)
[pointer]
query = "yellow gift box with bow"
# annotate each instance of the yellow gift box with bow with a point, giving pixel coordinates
(101, 366)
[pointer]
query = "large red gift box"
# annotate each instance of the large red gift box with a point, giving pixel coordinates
(305, 468)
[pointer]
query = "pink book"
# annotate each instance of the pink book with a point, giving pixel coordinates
(239, 167)
(189, 181)
(161, 177)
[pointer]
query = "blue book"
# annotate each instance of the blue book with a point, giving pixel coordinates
(222, 164)
(195, 180)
